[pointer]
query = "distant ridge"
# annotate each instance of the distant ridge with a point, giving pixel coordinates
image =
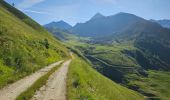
(60, 25)
(164, 22)
(100, 25)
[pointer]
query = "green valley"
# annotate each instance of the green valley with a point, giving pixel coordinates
(115, 62)
(116, 57)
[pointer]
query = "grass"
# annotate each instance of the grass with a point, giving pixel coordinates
(117, 58)
(4, 73)
(29, 93)
(84, 83)
(111, 54)
(25, 46)
(157, 83)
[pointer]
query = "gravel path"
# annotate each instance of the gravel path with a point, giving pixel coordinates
(11, 91)
(55, 89)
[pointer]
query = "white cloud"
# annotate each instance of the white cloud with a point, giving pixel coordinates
(33, 11)
(59, 12)
(68, 13)
(28, 3)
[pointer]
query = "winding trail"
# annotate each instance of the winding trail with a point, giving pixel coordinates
(11, 91)
(55, 89)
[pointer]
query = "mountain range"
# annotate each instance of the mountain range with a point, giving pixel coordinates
(106, 26)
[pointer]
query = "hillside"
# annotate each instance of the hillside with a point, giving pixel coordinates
(152, 39)
(25, 45)
(85, 83)
(62, 35)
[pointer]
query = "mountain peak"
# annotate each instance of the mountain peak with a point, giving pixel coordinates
(98, 15)
(61, 21)
(60, 25)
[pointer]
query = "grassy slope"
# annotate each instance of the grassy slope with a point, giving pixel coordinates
(25, 45)
(111, 54)
(85, 83)
(61, 34)
(157, 83)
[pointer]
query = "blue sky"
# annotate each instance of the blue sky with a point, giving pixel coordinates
(74, 11)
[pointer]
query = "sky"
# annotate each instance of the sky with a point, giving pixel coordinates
(78, 11)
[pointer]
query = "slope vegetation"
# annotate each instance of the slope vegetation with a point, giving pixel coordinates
(85, 83)
(25, 45)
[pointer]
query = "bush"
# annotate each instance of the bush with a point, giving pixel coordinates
(46, 43)
(8, 61)
(0, 32)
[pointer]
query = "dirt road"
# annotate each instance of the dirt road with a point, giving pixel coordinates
(11, 91)
(55, 89)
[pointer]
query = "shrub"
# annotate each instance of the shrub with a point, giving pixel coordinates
(0, 32)
(46, 43)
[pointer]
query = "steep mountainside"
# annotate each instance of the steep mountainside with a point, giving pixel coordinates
(85, 83)
(153, 40)
(25, 46)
